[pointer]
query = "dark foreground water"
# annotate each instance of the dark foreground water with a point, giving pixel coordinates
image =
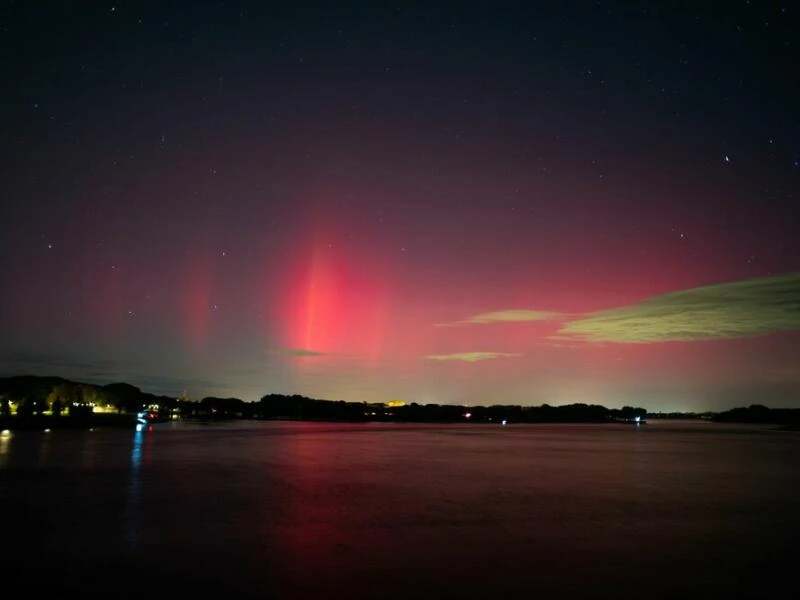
(310, 510)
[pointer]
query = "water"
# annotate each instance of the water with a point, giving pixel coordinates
(309, 510)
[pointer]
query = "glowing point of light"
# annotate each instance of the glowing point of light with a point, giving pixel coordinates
(467, 415)
(504, 422)
(5, 433)
(47, 430)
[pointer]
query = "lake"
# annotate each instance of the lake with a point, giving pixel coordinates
(307, 510)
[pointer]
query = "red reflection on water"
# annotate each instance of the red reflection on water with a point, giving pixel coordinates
(316, 528)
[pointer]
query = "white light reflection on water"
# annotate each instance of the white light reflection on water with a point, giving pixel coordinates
(133, 512)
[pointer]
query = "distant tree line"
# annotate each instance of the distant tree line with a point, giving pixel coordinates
(55, 396)
(33, 396)
(757, 413)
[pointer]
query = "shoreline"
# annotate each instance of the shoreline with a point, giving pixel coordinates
(44, 422)
(128, 420)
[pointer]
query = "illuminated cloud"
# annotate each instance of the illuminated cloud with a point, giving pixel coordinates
(303, 352)
(503, 316)
(469, 356)
(730, 310)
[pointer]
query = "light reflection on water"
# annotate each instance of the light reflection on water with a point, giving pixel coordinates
(296, 509)
(133, 517)
(5, 442)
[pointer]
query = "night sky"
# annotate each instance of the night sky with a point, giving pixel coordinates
(457, 204)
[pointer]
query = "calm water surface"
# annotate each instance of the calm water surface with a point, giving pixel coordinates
(302, 510)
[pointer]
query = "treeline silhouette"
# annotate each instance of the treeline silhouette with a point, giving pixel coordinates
(276, 406)
(758, 413)
(36, 398)
(54, 396)
(33, 395)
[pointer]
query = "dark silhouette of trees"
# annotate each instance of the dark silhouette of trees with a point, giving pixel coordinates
(124, 397)
(57, 407)
(225, 408)
(37, 398)
(34, 395)
(280, 406)
(758, 413)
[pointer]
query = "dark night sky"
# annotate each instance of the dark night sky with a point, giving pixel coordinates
(479, 204)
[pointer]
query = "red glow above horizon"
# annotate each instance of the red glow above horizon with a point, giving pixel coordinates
(335, 303)
(328, 213)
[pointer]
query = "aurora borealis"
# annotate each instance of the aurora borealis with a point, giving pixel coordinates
(555, 203)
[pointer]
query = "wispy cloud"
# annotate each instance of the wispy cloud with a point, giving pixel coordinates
(469, 356)
(503, 316)
(101, 372)
(19, 361)
(173, 386)
(731, 310)
(239, 372)
(303, 352)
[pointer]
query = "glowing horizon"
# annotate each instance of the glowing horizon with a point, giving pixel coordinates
(493, 208)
